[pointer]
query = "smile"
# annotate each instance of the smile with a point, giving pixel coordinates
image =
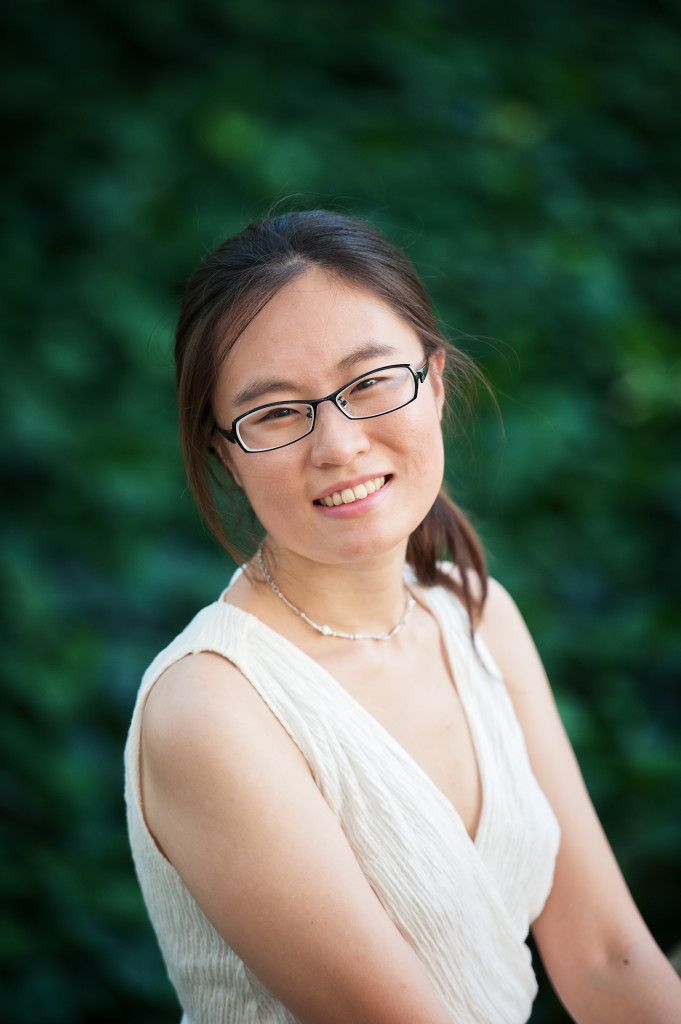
(350, 494)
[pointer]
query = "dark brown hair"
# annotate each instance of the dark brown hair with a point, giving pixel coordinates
(229, 289)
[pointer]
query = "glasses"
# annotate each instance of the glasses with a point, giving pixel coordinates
(279, 424)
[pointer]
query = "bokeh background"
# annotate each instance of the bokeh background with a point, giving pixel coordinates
(528, 157)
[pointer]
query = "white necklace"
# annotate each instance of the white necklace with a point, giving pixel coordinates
(326, 630)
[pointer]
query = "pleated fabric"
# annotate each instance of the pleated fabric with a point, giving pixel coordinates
(463, 905)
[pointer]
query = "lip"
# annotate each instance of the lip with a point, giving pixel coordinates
(350, 484)
(356, 509)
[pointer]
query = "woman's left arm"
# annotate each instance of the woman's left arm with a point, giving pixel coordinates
(602, 960)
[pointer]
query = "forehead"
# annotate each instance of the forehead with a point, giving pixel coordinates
(319, 321)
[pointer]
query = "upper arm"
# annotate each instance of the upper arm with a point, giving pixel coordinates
(233, 805)
(589, 914)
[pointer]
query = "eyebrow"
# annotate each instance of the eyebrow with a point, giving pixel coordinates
(260, 386)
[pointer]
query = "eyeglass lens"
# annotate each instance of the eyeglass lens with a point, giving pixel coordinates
(375, 394)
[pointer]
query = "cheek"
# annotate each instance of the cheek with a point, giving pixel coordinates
(267, 483)
(421, 433)
(267, 474)
(432, 455)
(433, 464)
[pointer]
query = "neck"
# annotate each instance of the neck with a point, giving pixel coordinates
(364, 597)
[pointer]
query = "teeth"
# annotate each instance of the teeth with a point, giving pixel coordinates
(350, 494)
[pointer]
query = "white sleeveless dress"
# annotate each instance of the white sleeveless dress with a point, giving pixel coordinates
(464, 906)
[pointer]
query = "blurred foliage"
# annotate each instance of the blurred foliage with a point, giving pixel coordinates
(528, 156)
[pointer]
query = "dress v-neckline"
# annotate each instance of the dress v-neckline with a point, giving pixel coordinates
(372, 723)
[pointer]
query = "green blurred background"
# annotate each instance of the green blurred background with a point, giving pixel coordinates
(528, 156)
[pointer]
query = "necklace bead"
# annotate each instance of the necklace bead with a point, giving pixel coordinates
(327, 630)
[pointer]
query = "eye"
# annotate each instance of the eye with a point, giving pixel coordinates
(277, 412)
(366, 383)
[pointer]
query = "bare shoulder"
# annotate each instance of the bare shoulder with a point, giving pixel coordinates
(187, 688)
(500, 612)
(505, 634)
(201, 696)
(205, 729)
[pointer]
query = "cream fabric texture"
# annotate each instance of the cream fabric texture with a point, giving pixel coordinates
(464, 906)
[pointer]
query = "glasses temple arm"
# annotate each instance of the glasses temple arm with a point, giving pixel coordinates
(229, 434)
(422, 372)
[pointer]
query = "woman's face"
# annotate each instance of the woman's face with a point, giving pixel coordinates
(314, 336)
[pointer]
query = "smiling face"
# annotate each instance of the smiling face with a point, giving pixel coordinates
(351, 489)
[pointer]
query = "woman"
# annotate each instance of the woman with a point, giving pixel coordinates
(349, 790)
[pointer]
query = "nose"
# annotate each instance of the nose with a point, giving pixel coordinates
(336, 440)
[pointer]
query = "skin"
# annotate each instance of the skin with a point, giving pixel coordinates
(223, 783)
(316, 335)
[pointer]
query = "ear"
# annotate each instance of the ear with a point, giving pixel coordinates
(221, 447)
(436, 372)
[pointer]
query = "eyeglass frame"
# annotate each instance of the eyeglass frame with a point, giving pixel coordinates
(232, 435)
